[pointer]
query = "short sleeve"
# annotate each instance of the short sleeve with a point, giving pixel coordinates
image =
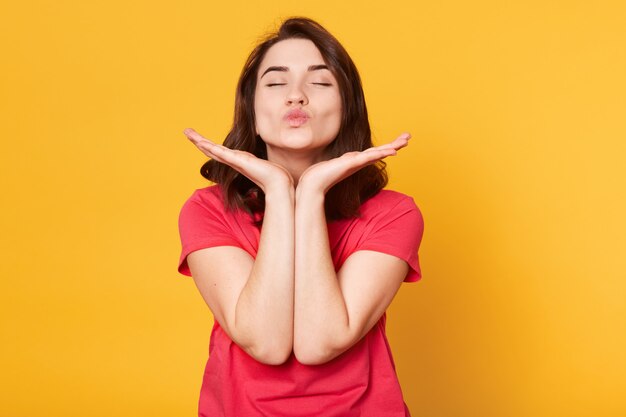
(201, 225)
(399, 233)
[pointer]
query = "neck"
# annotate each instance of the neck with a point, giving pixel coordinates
(293, 161)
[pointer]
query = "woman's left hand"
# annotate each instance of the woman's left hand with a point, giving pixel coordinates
(322, 176)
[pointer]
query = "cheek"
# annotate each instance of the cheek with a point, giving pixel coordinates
(337, 107)
(263, 118)
(261, 114)
(335, 113)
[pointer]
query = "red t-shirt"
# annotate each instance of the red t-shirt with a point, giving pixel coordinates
(362, 381)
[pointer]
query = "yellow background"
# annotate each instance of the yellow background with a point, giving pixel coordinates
(517, 111)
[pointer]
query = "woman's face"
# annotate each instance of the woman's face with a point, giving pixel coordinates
(292, 75)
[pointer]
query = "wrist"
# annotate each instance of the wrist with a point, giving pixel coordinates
(307, 185)
(280, 192)
(309, 195)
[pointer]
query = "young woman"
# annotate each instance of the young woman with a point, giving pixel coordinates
(297, 249)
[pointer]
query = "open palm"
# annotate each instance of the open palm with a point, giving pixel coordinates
(264, 173)
(323, 175)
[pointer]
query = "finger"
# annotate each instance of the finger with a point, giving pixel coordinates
(206, 146)
(196, 137)
(398, 143)
(370, 156)
(209, 148)
(405, 135)
(221, 154)
(238, 160)
(383, 153)
(375, 148)
(401, 141)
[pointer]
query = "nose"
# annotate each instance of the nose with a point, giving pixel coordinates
(296, 95)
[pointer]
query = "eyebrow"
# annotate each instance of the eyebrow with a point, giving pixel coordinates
(286, 69)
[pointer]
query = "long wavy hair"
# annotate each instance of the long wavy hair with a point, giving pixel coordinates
(344, 199)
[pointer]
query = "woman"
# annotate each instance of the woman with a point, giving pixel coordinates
(297, 249)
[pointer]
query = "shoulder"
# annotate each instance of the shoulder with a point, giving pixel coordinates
(204, 222)
(393, 224)
(208, 195)
(388, 201)
(204, 202)
(208, 198)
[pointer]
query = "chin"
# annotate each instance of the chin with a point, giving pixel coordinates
(292, 140)
(297, 139)
(303, 139)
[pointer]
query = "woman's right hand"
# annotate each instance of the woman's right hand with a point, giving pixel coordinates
(237, 287)
(267, 175)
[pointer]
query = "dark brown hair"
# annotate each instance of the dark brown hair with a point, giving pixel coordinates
(344, 198)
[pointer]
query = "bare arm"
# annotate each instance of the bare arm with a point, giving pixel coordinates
(252, 299)
(332, 311)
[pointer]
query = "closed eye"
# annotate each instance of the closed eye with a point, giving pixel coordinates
(324, 84)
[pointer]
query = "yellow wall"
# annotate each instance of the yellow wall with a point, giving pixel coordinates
(517, 111)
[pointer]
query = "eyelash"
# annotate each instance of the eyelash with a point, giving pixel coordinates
(324, 84)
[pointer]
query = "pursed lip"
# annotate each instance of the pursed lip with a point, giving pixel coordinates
(296, 114)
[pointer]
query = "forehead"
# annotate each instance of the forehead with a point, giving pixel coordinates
(296, 54)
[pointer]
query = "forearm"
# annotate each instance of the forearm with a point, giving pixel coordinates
(264, 311)
(320, 313)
